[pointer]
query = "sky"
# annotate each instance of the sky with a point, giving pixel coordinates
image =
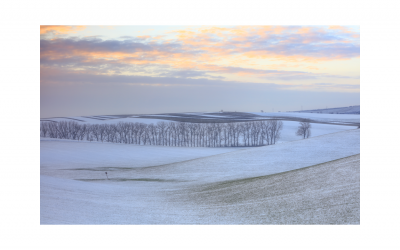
(107, 70)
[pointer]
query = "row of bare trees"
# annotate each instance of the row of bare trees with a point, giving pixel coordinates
(181, 134)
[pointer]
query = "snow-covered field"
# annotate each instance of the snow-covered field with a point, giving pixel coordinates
(327, 193)
(58, 154)
(228, 116)
(80, 119)
(331, 118)
(343, 110)
(165, 185)
(289, 129)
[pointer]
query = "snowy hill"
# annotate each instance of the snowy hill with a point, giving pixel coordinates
(220, 117)
(343, 110)
(327, 193)
(343, 119)
(165, 185)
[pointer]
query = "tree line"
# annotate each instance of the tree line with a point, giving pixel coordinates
(178, 134)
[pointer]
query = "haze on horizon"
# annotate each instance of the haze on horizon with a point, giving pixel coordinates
(100, 70)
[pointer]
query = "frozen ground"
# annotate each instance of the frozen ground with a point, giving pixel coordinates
(186, 185)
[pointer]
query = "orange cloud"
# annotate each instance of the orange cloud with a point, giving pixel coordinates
(143, 37)
(60, 29)
(304, 30)
(212, 49)
(312, 68)
(341, 28)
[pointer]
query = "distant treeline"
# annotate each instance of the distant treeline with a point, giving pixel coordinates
(179, 134)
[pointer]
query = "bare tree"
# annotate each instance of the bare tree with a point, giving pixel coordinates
(276, 127)
(82, 132)
(304, 130)
(161, 127)
(44, 129)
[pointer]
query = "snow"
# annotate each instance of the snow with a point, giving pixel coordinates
(161, 185)
(66, 201)
(108, 121)
(327, 193)
(328, 118)
(164, 116)
(342, 110)
(218, 116)
(194, 113)
(256, 161)
(315, 116)
(289, 129)
(60, 154)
